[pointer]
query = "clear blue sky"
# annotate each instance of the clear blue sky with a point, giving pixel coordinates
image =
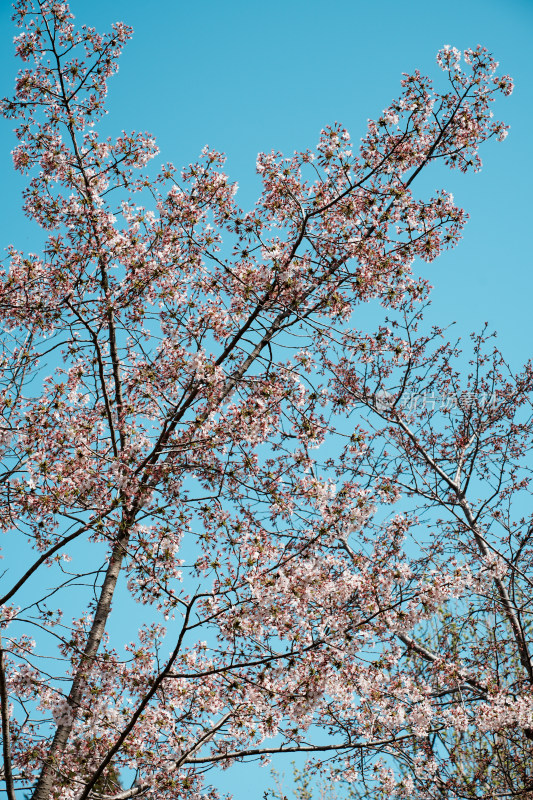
(246, 76)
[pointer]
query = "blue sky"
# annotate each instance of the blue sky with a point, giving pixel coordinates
(246, 76)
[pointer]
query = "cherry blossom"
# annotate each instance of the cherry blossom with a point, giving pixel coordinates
(189, 432)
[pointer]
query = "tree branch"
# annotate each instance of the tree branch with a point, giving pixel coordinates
(6, 736)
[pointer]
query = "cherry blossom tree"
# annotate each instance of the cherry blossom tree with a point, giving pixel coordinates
(456, 449)
(171, 365)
